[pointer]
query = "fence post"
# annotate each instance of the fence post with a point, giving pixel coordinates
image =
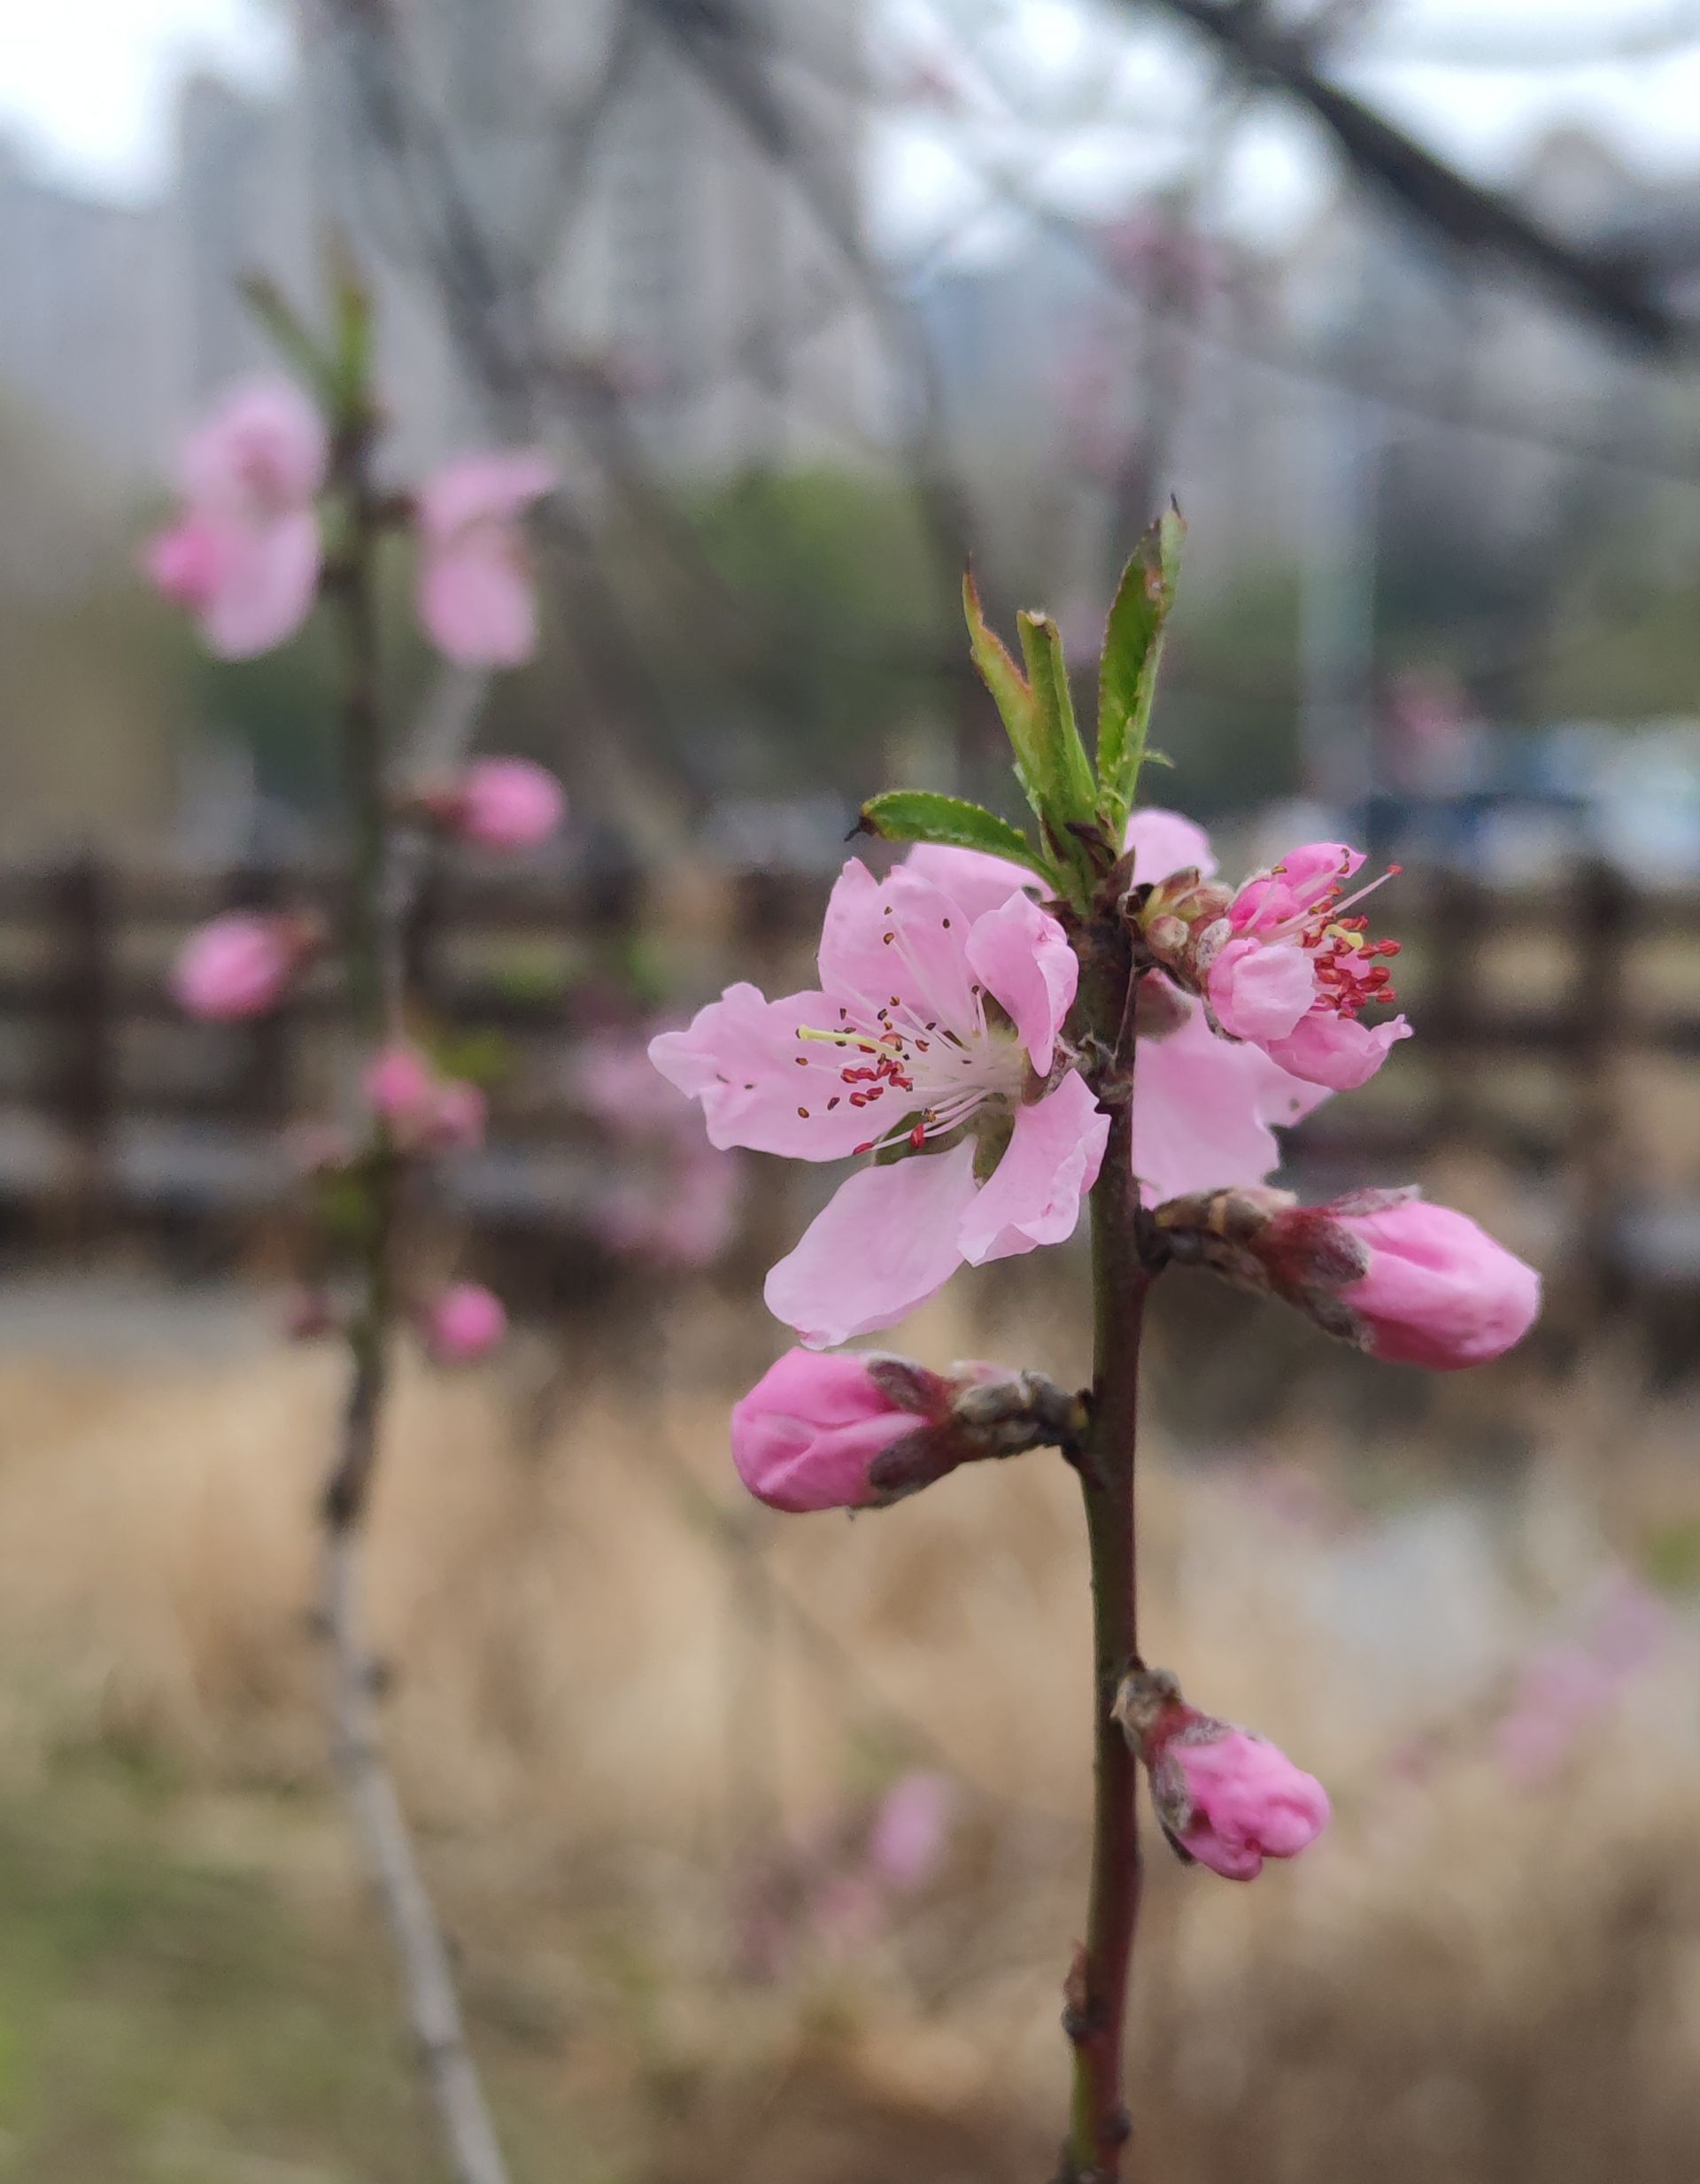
(1603, 932)
(83, 1083)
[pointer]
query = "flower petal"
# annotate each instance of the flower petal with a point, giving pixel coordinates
(1260, 993)
(1166, 841)
(884, 1243)
(1202, 1108)
(759, 1085)
(476, 600)
(1034, 1195)
(264, 449)
(899, 935)
(977, 881)
(1023, 960)
(268, 577)
(483, 489)
(1336, 1050)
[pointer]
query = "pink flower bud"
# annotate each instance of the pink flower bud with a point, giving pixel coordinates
(507, 804)
(910, 1830)
(1225, 1797)
(238, 966)
(1438, 1290)
(422, 1111)
(464, 1323)
(400, 1086)
(807, 1433)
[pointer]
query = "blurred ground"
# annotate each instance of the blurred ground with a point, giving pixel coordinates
(647, 1781)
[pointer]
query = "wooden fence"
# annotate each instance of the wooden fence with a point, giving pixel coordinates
(1559, 1040)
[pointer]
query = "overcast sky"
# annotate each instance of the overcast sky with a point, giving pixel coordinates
(85, 92)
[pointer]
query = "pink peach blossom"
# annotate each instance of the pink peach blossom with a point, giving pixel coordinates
(245, 556)
(910, 1830)
(897, 1049)
(1438, 1290)
(1225, 1797)
(422, 1111)
(1205, 1110)
(807, 1432)
(464, 1323)
(1297, 971)
(1241, 1799)
(475, 595)
(507, 804)
(238, 966)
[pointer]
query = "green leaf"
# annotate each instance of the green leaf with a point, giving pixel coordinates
(1011, 694)
(1127, 675)
(1070, 792)
(918, 814)
(279, 319)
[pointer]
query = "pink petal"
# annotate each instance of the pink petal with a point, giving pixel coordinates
(263, 451)
(484, 489)
(740, 1056)
(1165, 841)
(884, 1243)
(1439, 1292)
(898, 935)
(1202, 1111)
(978, 882)
(259, 583)
(1034, 1195)
(1023, 960)
(1260, 993)
(1336, 1050)
(476, 600)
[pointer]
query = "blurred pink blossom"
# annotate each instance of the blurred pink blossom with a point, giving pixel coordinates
(243, 557)
(422, 1111)
(463, 1323)
(911, 1831)
(240, 964)
(476, 594)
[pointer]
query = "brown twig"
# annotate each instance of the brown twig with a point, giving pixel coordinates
(377, 900)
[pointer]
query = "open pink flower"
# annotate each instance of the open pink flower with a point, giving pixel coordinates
(1297, 971)
(476, 598)
(239, 965)
(243, 558)
(898, 1049)
(466, 1322)
(807, 1432)
(1438, 1290)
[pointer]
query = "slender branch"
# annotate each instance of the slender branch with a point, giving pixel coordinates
(1096, 2012)
(375, 908)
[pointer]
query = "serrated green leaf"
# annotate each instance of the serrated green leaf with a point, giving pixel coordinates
(1011, 693)
(1127, 674)
(1070, 792)
(918, 814)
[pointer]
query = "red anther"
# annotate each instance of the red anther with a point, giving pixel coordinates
(869, 1147)
(858, 1099)
(1394, 870)
(801, 1060)
(918, 1136)
(921, 1045)
(802, 1114)
(833, 1102)
(1389, 947)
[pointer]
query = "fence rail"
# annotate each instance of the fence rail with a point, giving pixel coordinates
(1544, 1015)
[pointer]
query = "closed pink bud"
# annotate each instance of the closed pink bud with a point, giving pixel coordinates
(1438, 1290)
(1225, 1798)
(422, 1111)
(400, 1086)
(238, 966)
(464, 1323)
(807, 1433)
(500, 803)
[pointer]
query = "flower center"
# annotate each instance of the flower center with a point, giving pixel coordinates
(931, 1076)
(1350, 974)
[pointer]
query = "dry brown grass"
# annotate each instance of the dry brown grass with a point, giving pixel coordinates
(595, 1718)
